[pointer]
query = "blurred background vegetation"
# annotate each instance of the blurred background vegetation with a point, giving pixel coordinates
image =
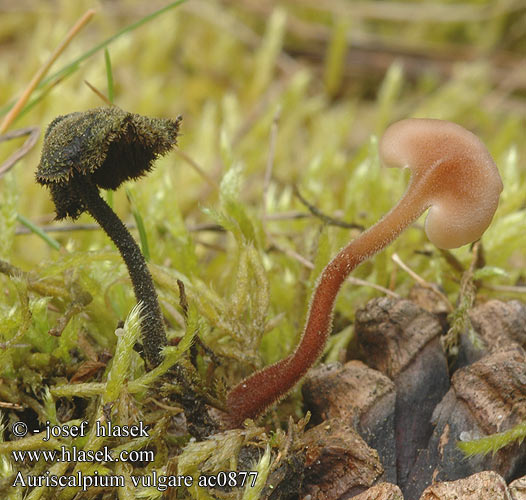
(275, 96)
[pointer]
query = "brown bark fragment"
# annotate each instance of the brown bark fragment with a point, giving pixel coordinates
(285, 481)
(358, 396)
(428, 300)
(419, 388)
(494, 388)
(381, 491)
(487, 485)
(344, 391)
(402, 340)
(517, 489)
(498, 325)
(497, 321)
(486, 397)
(393, 331)
(337, 462)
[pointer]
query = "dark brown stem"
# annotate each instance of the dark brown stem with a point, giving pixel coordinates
(152, 327)
(257, 392)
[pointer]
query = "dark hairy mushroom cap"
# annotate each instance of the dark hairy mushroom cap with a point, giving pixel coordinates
(106, 145)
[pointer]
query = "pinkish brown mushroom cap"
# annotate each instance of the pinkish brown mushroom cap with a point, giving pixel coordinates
(453, 174)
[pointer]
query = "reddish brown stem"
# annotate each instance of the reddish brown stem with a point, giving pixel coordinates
(257, 392)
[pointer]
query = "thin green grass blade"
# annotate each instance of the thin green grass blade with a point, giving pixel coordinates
(140, 226)
(109, 74)
(52, 242)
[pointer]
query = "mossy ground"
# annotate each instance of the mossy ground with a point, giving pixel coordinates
(273, 95)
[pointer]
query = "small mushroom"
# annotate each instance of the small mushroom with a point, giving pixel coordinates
(453, 175)
(102, 148)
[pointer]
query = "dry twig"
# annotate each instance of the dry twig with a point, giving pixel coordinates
(32, 132)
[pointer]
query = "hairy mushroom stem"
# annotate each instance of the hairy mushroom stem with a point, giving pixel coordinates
(152, 327)
(243, 400)
(452, 173)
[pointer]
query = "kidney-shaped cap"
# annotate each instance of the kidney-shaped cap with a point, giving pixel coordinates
(453, 173)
